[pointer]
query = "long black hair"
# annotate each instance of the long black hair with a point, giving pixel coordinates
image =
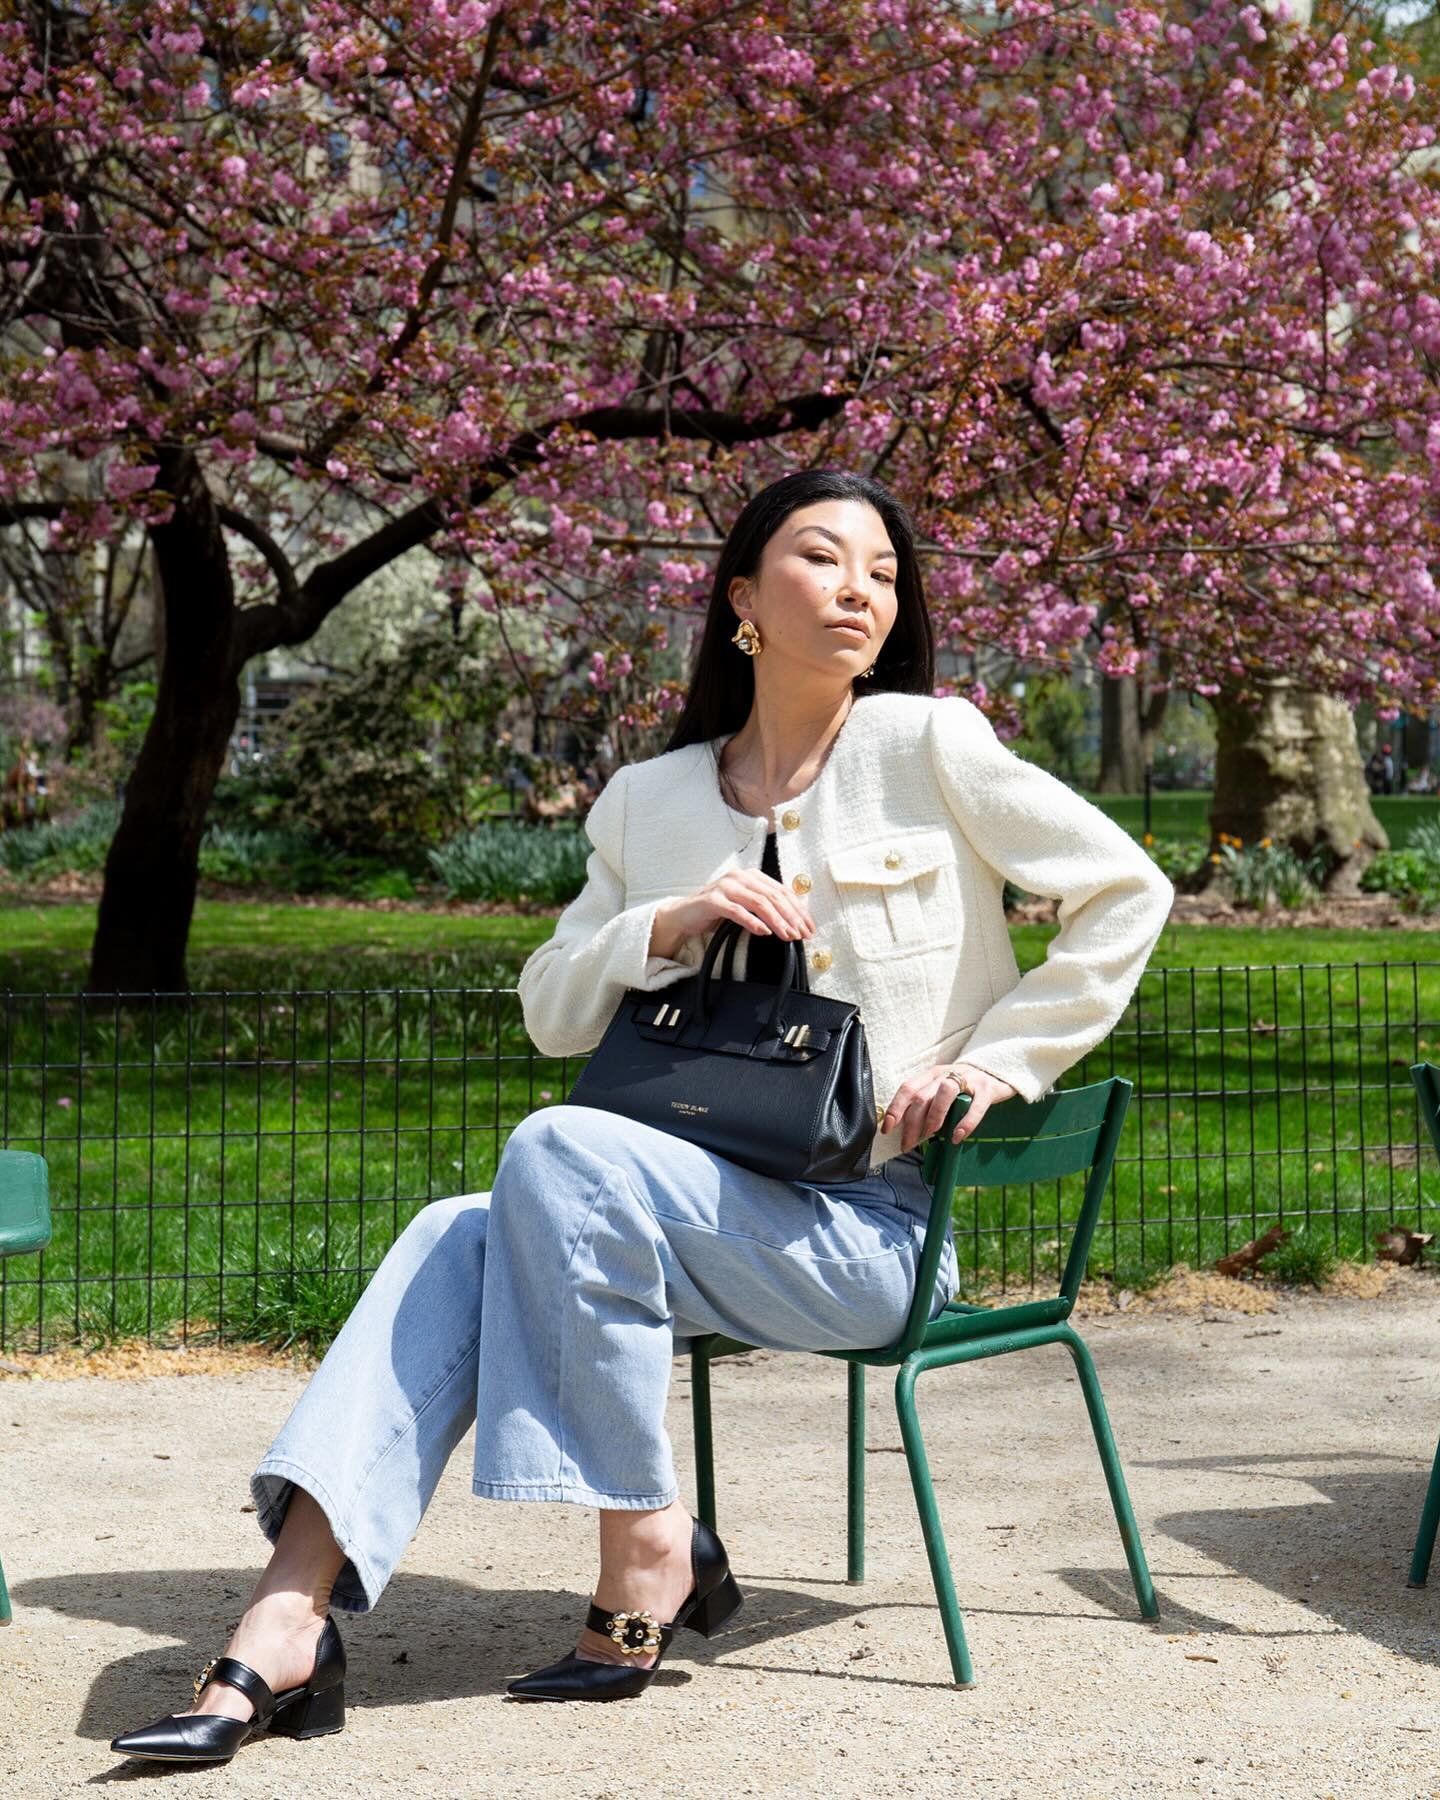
(722, 683)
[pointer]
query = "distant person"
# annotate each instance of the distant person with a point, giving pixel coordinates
(1375, 772)
(24, 787)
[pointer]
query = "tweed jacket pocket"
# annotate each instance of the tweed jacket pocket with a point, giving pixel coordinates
(899, 894)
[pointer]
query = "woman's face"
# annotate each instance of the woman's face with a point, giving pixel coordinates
(827, 563)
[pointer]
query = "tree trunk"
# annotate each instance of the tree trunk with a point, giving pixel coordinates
(1122, 757)
(1291, 771)
(151, 870)
(1129, 725)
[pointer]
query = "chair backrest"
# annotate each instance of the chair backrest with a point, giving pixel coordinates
(1015, 1142)
(24, 1202)
(1426, 1077)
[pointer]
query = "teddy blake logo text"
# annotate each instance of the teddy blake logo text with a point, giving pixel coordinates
(689, 1106)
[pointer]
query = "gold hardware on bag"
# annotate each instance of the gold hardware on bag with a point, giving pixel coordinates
(796, 1035)
(660, 1018)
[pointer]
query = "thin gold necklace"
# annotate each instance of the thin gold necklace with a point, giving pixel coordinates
(727, 785)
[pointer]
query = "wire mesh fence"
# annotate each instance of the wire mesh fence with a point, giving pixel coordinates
(237, 1164)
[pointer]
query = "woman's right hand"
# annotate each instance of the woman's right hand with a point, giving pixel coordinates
(748, 896)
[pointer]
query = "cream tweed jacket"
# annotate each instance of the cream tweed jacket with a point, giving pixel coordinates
(901, 847)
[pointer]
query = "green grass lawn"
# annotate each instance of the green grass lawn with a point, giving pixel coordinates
(1187, 815)
(246, 1156)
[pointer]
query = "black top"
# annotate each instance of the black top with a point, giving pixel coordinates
(763, 955)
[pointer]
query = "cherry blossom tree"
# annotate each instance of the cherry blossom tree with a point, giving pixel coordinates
(1135, 308)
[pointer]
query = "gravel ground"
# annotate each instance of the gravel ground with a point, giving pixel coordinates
(1277, 1464)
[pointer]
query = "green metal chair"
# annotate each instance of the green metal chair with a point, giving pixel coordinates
(1427, 1085)
(24, 1226)
(1062, 1134)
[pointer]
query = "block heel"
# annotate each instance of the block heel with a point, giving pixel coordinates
(312, 1715)
(299, 1712)
(711, 1601)
(719, 1604)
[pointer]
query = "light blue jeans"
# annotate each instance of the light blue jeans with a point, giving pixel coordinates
(546, 1312)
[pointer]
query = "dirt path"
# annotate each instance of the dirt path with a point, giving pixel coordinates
(1277, 1463)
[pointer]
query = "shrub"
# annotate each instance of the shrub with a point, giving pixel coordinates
(1176, 856)
(1307, 1259)
(53, 847)
(399, 753)
(295, 861)
(1411, 874)
(1258, 873)
(250, 856)
(514, 862)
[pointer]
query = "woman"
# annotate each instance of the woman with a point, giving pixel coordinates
(813, 790)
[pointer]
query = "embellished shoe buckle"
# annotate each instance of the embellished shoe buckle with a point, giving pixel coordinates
(204, 1676)
(635, 1633)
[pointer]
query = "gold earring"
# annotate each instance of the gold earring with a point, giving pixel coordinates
(869, 671)
(748, 638)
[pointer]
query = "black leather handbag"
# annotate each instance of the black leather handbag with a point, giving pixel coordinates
(767, 1074)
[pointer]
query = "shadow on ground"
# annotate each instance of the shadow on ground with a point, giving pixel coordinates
(435, 1639)
(1342, 1550)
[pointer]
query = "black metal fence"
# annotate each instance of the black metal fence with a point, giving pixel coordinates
(238, 1163)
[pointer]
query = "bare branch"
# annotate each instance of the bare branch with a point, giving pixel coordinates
(280, 564)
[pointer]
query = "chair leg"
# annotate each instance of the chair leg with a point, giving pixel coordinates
(855, 1515)
(704, 1443)
(930, 1525)
(1114, 1476)
(1424, 1543)
(4, 1598)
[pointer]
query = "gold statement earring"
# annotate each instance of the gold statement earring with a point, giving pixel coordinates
(748, 638)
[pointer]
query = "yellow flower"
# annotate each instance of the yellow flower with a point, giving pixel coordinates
(1215, 856)
(1148, 839)
(1264, 843)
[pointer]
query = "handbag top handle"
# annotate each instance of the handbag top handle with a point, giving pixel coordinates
(793, 972)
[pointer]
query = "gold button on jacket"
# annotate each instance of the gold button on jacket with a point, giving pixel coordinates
(790, 820)
(892, 860)
(821, 960)
(801, 884)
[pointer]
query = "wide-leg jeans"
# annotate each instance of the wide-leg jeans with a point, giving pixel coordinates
(546, 1312)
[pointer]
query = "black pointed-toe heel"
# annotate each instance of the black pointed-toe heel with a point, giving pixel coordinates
(300, 1712)
(711, 1601)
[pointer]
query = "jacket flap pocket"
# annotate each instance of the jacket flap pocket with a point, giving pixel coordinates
(884, 862)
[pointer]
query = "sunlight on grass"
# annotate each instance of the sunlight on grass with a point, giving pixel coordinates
(247, 1157)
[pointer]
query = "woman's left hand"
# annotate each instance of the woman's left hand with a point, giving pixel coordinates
(921, 1102)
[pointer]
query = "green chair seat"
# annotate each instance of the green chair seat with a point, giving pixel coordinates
(24, 1229)
(1058, 1135)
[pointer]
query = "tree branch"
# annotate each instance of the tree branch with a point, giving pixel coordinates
(280, 564)
(297, 615)
(444, 234)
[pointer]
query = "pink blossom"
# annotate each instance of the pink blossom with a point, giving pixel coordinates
(123, 481)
